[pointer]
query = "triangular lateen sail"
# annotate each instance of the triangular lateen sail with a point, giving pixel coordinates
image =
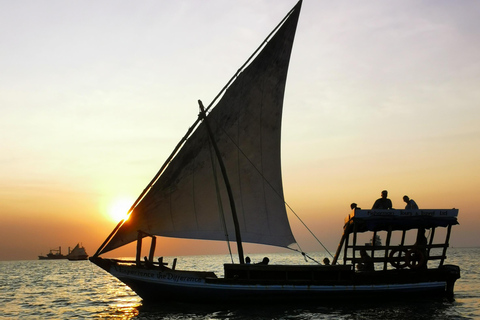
(246, 124)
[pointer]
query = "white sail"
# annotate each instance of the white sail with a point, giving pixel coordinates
(189, 199)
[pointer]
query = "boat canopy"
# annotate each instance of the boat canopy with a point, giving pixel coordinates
(385, 220)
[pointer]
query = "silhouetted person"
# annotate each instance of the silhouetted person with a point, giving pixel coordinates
(326, 261)
(383, 202)
(354, 206)
(264, 261)
(148, 263)
(421, 238)
(367, 262)
(421, 245)
(247, 260)
(410, 203)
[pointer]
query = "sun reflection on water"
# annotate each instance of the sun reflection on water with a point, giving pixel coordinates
(124, 304)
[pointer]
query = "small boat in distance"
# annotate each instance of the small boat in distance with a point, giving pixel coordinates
(223, 182)
(78, 253)
(54, 254)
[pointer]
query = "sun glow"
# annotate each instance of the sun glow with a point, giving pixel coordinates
(119, 208)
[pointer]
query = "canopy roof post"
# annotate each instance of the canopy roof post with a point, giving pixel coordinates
(387, 247)
(339, 248)
(430, 241)
(446, 245)
(152, 249)
(139, 248)
(354, 244)
(345, 250)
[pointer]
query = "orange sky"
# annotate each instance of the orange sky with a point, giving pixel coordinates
(379, 96)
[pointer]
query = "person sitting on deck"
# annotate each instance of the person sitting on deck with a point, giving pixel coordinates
(162, 264)
(410, 203)
(367, 262)
(326, 261)
(354, 206)
(383, 202)
(148, 263)
(421, 245)
(265, 261)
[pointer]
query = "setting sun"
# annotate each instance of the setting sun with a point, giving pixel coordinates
(119, 208)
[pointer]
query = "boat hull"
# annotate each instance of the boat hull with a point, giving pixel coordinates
(207, 292)
(78, 258)
(163, 284)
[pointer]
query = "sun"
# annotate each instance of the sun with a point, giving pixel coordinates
(119, 208)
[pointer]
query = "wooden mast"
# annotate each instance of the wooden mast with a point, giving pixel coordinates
(227, 184)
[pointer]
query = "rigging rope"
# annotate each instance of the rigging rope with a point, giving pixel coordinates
(296, 215)
(305, 255)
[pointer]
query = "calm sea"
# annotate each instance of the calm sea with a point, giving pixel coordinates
(80, 290)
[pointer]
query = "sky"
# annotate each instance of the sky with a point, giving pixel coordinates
(94, 95)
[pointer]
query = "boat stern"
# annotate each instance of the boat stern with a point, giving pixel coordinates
(452, 274)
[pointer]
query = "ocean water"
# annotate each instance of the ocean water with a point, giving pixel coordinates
(80, 290)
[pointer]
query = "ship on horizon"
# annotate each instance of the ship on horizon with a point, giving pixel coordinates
(78, 253)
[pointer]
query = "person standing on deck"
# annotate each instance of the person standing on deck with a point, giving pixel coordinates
(383, 202)
(410, 203)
